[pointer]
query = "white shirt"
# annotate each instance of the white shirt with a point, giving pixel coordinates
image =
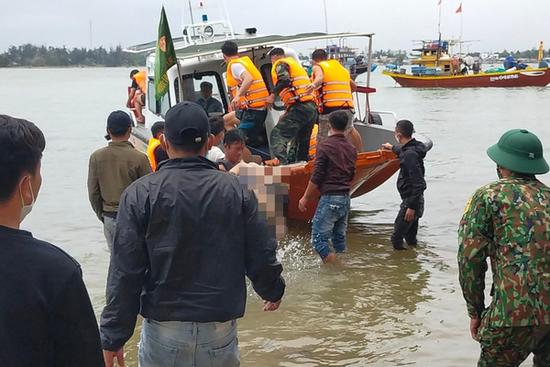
(215, 154)
(237, 69)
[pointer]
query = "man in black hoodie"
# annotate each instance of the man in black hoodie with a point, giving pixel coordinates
(410, 184)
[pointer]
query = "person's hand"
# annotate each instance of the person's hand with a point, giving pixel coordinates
(474, 328)
(236, 102)
(109, 357)
(387, 146)
(409, 215)
(270, 99)
(310, 88)
(271, 306)
(302, 204)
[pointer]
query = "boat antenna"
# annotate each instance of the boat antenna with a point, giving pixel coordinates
(326, 17)
(438, 55)
(227, 19)
(191, 12)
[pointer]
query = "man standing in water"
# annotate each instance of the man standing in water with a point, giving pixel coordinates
(410, 184)
(46, 317)
(508, 221)
(180, 258)
(112, 169)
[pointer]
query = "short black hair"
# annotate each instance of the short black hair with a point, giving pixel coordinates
(230, 48)
(277, 51)
(206, 85)
(319, 55)
(157, 128)
(21, 147)
(338, 120)
(216, 125)
(133, 72)
(405, 127)
(233, 136)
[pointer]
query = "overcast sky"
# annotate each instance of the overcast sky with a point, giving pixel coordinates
(494, 24)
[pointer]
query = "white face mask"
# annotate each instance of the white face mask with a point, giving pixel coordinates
(26, 209)
(396, 138)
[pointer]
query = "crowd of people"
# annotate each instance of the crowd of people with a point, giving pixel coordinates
(180, 259)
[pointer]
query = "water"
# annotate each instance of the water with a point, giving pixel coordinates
(380, 308)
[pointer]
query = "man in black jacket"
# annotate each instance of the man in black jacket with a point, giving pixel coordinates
(46, 317)
(410, 184)
(180, 258)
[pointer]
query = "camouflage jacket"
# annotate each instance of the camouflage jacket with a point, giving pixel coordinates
(509, 222)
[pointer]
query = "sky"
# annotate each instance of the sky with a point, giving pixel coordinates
(492, 25)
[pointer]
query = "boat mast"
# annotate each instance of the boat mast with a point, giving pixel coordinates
(326, 17)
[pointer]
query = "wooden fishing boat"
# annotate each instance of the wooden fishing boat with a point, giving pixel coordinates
(508, 79)
(200, 60)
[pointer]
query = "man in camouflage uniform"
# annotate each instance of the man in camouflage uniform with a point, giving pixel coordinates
(290, 137)
(509, 222)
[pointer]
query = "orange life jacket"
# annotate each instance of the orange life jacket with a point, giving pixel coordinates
(151, 147)
(141, 80)
(299, 81)
(256, 95)
(336, 89)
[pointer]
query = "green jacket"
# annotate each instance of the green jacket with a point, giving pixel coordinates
(111, 170)
(509, 222)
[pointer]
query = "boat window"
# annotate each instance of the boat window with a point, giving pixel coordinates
(157, 107)
(191, 88)
(265, 70)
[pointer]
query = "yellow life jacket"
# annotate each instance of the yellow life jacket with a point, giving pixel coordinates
(257, 93)
(335, 90)
(299, 81)
(151, 147)
(141, 80)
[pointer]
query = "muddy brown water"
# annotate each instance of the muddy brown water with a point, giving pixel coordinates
(380, 308)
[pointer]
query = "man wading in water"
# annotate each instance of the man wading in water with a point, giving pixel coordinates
(180, 258)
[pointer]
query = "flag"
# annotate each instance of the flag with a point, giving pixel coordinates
(439, 2)
(165, 57)
(459, 10)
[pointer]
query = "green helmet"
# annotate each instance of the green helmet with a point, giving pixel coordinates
(519, 151)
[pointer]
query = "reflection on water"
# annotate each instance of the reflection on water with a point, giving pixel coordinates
(380, 307)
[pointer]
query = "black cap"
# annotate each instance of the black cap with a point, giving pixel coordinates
(186, 124)
(118, 123)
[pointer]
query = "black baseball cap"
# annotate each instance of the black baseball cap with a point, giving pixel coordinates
(118, 123)
(186, 124)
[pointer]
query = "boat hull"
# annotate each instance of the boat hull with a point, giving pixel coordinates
(520, 78)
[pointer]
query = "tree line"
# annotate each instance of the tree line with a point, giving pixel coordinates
(28, 55)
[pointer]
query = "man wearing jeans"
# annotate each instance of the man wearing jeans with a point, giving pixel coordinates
(112, 169)
(334, 170)
(180, 258)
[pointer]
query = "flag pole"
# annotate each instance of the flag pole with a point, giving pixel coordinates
(461, 28)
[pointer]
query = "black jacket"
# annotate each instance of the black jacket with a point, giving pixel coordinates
(411, 183)
(186, 237)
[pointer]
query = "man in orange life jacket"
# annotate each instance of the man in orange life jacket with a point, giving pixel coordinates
(136, 97)
(334, 86)
(155, 152)
(290, 137)
(249, 97)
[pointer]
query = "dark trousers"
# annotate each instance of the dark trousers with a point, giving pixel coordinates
(406, 230)
(290, 137)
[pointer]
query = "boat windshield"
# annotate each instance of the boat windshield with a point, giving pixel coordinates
(192, 90)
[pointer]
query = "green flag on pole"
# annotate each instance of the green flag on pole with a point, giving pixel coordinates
(165, 56)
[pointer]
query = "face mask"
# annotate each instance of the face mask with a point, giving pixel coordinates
(26, 209)
(396, 138)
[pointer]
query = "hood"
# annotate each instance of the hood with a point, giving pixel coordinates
(420, 148)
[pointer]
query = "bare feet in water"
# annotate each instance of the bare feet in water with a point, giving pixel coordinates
(330, 258)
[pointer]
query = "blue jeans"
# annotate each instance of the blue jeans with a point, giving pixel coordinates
(188, 344)
(330, 224)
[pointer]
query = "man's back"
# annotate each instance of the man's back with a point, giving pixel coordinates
(510, 221)
(112, 169)
(189, 235)
(46, 318)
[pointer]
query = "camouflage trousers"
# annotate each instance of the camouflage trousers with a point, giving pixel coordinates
(290, 137)
(510, 346)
